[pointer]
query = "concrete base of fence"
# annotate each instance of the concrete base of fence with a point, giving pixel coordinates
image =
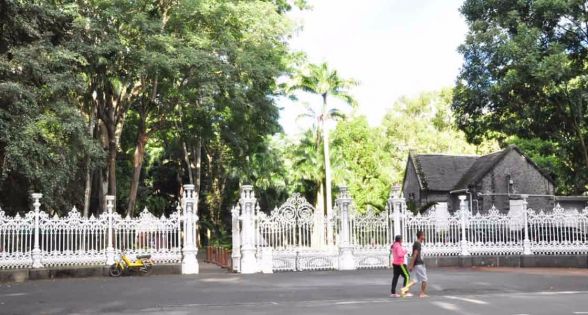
(522, 261)
(74, 272)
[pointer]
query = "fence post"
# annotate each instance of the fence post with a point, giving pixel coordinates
(36, 254)
(110, 245)
(236, 252)
(464, 243)
(189, 250)
(248, 201)
(346, 261)
(526, 242)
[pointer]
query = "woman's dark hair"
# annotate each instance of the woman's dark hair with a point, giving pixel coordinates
(398, 238)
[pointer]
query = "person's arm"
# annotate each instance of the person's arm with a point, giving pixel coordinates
(415, 252)
(403, 252)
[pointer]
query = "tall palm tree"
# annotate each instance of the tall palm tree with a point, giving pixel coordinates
(325, 82)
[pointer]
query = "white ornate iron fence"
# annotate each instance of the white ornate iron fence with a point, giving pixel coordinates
(73, 239)
(370, 229)
(16, 240)
(38, 240)
(370, 238)
(442, 233)
(295, 233)
(558, 232)
(146, 234)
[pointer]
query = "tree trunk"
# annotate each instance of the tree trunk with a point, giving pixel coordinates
(582, 142)
(328, 192)
(112, 167)
(137, 165)
(101, 186)
(320, 213)
(102, 173)
(188, 162)
(197, 180)
(88, 188)
(2, 160)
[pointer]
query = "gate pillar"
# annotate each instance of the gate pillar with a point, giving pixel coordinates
(189, 250)
(346, 260)
(248, 259)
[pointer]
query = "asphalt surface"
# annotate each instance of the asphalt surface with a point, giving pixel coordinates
(452, 291)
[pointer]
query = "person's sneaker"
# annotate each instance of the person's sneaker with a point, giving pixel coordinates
(408, 294)
(395, 295)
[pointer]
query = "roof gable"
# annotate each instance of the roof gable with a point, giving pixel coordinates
(487, 162)
(441, 172)
(482, 166)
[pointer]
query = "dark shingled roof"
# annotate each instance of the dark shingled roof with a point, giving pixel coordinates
(441, 172)
(453, 172)
(482, 166)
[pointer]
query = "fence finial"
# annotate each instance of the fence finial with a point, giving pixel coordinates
(395, 191)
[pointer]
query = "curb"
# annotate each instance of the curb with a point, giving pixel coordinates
(7, 276)
(513, 261)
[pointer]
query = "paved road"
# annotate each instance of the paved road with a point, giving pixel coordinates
(453, 291)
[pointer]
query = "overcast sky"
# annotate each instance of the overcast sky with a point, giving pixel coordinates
(393, 47)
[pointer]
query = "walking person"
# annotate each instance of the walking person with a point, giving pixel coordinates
(417, 265)
(399, 267)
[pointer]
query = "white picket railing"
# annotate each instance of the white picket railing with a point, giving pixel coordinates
(39, 240)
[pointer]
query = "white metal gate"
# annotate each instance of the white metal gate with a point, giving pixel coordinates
(296, 233)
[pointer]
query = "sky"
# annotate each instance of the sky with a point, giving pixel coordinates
(393, 48)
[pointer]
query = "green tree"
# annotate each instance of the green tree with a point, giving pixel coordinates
(325, 82)
(546, 154)
(525, 74)
(425, 124)
(43, 139)
(365, 155)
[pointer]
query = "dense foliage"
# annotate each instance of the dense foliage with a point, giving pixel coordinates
(526, 75)
(136, 98)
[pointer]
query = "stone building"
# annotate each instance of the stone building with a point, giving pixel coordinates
(494, 179)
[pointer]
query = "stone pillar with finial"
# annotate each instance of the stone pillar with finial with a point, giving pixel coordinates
(346, 260)
(248, 250)
(189, 250)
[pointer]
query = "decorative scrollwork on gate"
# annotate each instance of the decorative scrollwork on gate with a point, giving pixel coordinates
(295, 210)
(293, 225)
